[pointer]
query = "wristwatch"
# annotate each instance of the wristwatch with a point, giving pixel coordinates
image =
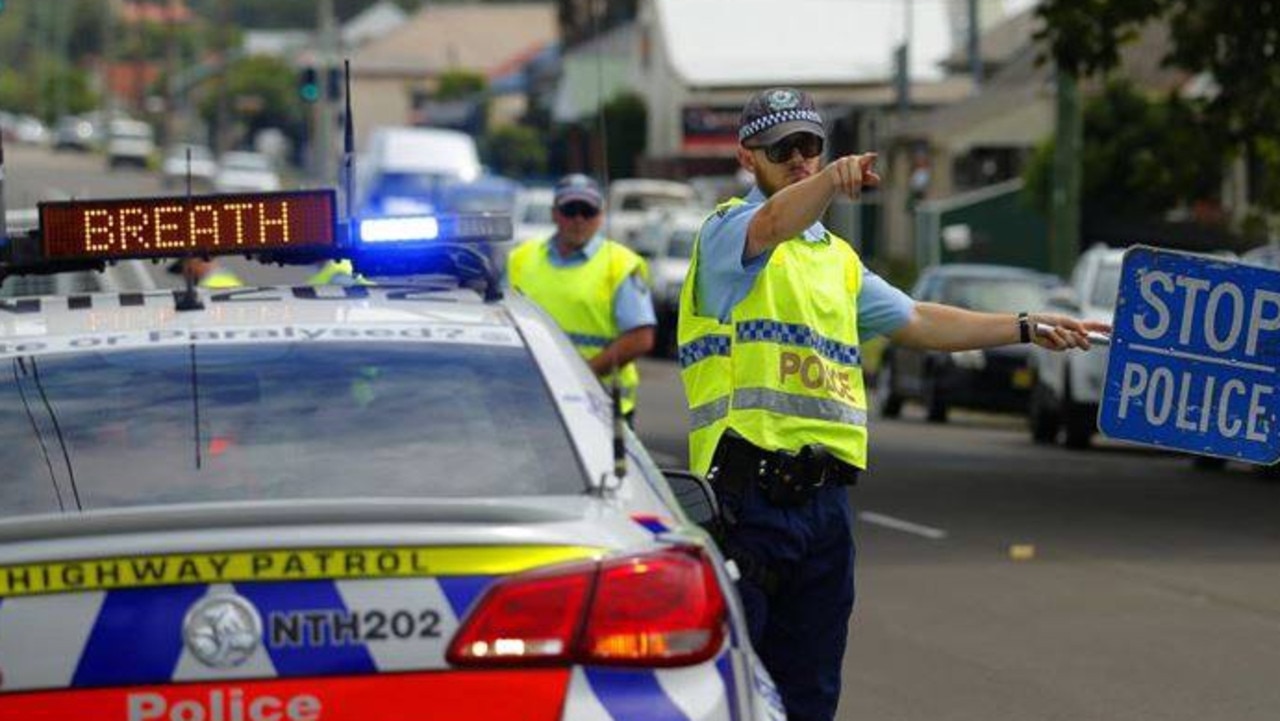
(1024, 327)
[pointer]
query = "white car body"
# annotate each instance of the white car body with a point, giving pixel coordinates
(1068, 386)
(406, 169)
(177, 166)
(245, 172)
(263, 572)
(631, 199)
(665, 240)
(532, 217)
(129, 142)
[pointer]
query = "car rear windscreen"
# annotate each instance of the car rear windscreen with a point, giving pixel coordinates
(278, 421)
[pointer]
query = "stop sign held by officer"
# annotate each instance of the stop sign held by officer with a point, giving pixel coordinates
(772, 314)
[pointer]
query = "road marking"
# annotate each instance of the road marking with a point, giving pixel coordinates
(897, 524)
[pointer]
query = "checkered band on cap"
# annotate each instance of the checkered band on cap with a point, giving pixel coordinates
(765, 122)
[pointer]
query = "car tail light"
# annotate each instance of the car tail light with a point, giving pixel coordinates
(658, 609)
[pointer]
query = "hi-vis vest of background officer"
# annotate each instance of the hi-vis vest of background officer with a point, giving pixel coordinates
(785, 371)
(580, 297)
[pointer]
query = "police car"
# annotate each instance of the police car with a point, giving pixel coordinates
(410, 500)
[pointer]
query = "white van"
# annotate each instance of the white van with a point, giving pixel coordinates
(406, 169)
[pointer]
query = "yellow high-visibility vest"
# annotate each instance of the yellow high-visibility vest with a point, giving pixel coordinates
(580, 297)
(791, 374)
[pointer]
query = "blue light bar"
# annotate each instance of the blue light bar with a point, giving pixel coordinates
(400, 229)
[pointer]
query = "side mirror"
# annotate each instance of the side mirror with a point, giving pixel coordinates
(696, 498)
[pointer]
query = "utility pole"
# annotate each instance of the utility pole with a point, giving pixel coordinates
(171, 115)
(975, 47)
(1064, 210)
(322, 113)
(222, 133)
(108, 60)
(904, 64)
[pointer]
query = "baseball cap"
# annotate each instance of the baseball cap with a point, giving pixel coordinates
(773, 114)
(578, 187)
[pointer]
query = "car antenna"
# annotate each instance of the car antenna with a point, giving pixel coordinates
(4, 218)
(348, 148)
(615, 387)
(187, 299)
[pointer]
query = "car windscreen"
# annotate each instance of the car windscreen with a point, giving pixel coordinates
(994, 295)
(278, 421)
(1106, 286)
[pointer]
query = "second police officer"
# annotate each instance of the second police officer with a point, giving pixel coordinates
(771, 317)
(596, 289)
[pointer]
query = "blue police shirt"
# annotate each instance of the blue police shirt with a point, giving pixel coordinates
(632, 303)
(723, 279)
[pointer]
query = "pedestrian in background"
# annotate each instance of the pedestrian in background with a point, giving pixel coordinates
(596, 289)
(772, 314)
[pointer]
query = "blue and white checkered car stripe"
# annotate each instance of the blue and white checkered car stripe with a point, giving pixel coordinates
(782, 116)
(795, 334)
(705, 347)
(590, 341)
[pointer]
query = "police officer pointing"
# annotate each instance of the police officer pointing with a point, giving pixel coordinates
(771, 317)
(596, 289)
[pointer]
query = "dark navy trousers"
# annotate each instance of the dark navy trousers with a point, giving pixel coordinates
(799, 629)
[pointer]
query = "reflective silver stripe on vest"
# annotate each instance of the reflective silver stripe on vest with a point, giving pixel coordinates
(790, 404)
(708, 413)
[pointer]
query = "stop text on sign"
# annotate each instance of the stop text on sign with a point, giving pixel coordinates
(178, 226)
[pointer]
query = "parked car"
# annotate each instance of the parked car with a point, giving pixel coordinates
(177, 166)
(532, 217)
(129, 142)
(245, 172)
(630, 200)
(1068, 386)
(1267, 256)
(74, 133)
(994, 379)
(666, 242)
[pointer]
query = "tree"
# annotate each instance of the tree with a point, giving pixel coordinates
(626, 118)
(263, 91)
(459, 84)
(1142, 157)
(1237, 44)
(517, 151)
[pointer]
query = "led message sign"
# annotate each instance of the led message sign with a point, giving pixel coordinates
(206, 224)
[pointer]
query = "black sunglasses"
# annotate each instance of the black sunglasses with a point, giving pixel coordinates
(809, 145)
(578, 210)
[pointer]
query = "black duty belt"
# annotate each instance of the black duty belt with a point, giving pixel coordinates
(788, 479)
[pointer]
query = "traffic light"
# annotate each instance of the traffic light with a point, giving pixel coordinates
(308, 84)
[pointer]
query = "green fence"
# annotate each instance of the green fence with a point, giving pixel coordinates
(988, 225)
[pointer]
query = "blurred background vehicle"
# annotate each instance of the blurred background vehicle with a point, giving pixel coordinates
(532, 216)
(994, 379)
(129, 142)
(177, 166)
(1068, 386)
(665, 240)
(74, 133)
(1267, 256)
(408, 169)
(242, 171)
(631, 198)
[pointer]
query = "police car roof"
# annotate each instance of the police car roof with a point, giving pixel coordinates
(264, 306)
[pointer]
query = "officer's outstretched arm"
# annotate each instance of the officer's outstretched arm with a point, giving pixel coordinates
(935, 326)
(789, 211)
